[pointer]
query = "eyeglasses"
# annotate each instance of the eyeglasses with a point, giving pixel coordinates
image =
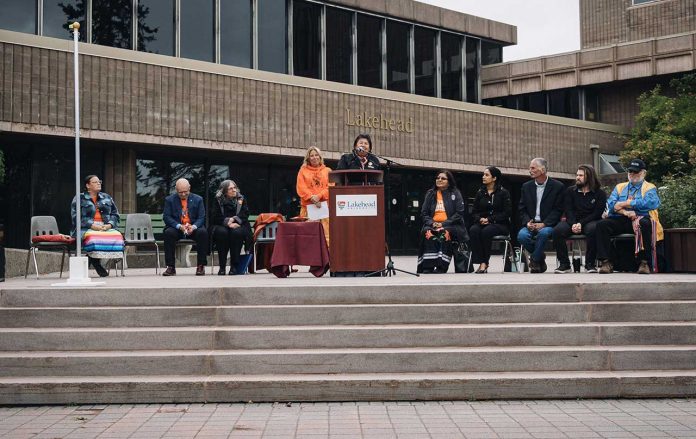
(634, 172)
(441, 178)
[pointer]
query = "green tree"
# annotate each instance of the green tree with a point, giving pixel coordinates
(665, 132)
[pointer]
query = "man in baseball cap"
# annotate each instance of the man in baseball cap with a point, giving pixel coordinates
(632, 208)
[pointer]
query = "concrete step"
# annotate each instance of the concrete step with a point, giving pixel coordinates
(336, 361)
(348, 336)
(347, 387)
(173, 294)
(287, 315)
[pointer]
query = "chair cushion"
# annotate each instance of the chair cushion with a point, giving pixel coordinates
(64, 239)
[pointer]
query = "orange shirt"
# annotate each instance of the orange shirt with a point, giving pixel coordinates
(185, 219)
(313, 181)
(440, 213)
(97, 214)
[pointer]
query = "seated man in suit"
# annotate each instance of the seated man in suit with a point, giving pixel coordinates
(184, 218)
(540, 208)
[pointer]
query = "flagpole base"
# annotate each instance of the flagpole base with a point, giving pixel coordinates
(79, 274)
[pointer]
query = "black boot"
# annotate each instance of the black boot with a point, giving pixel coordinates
(101, 271)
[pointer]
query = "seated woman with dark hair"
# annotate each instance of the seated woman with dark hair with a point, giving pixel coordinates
(99, 219)
(491, 216)
(230, 222)
(443, 224)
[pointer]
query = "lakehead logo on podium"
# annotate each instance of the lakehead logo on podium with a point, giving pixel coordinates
(356, 205)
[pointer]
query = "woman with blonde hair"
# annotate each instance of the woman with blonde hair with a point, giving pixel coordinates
(313, 184)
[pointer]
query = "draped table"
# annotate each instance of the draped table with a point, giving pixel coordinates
(300, 243)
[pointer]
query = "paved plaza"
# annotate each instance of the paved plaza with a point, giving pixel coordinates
(659, 418)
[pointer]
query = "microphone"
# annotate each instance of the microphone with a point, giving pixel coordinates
(360, 149)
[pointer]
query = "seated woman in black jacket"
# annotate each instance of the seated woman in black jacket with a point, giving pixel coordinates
(230, 223)
(491, 217)
(443, 224)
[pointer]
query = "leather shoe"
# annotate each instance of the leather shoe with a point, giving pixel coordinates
(200, 270)
(542, 266)
(221, 271)
(170, 271)
(101, 271)
(233, 271)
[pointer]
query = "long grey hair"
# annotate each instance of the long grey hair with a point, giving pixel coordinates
(224, 186)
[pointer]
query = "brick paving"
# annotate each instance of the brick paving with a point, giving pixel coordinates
(659, 418)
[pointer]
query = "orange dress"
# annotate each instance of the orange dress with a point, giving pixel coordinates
(313, 181)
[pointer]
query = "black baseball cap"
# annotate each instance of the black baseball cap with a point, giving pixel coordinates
(636, 165)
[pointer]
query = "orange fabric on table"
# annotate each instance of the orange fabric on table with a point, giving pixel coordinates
(97, 214)
(440, 213)
(263, 259)
(313, 181)
(185, 219)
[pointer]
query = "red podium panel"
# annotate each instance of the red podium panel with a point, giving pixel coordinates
(356, 212)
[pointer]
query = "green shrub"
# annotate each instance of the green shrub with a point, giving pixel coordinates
(678, 197)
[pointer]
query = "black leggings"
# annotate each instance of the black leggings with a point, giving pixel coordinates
(229, 240)
(481, 238)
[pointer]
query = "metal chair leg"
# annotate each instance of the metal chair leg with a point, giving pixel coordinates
(26, 268)
(36, 265)
(157, 267)
(505, 255)
(62, 262)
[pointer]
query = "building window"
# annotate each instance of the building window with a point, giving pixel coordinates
(235, 33)
(533, 102)
(112, 23)
(564, 103)
(640, 2)
(196, 28)
(451, 55)
(306, 39)
(155, 180)
(339, 45)
(369, 51)
(58, 14)
(424, 60)
(592, 105)
(398, 55)
(472, 71)
(156, 26)
(19, 16)
(272, 36)
(491, 53)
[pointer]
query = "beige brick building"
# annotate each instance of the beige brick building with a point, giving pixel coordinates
(148, 118)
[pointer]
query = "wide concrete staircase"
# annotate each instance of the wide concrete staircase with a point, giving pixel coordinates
(337, 343)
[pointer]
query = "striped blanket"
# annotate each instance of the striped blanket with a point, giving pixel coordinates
(107, 241)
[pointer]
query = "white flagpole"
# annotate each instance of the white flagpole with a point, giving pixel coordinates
(79, 265)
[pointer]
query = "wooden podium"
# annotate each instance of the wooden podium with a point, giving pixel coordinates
(356, 212)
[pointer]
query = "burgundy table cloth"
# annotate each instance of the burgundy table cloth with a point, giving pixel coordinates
(300, 244)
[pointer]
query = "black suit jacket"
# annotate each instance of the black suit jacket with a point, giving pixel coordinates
(551, 202)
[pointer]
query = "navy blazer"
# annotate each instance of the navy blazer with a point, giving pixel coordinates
(551, 202)
(172, 210)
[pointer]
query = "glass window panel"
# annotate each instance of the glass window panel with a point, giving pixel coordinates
(592, 105)
(564, 103)
(156, 26)
(472, 62)
(19, 16)
(112, 23)
(491, 53)
(451, 53)
(235, 32)
(369, 51)
(424, 41)
(339, 45)
(197, 28)
(306, 39)
(272, 36)
(58, 14)
(155, 180)
(534, 102)
(397, 56)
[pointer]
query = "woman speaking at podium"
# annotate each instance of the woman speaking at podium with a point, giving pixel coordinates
(361, 157)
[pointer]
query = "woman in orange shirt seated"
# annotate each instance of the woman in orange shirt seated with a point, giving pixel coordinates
(313, 184)
(443, 214)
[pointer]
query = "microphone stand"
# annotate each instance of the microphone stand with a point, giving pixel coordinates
(390, 270)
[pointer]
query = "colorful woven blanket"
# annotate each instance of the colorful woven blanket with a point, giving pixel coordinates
(106, 241)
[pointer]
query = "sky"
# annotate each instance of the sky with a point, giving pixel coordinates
(544, 27)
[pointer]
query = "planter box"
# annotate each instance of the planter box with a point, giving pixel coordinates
(681, 249)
